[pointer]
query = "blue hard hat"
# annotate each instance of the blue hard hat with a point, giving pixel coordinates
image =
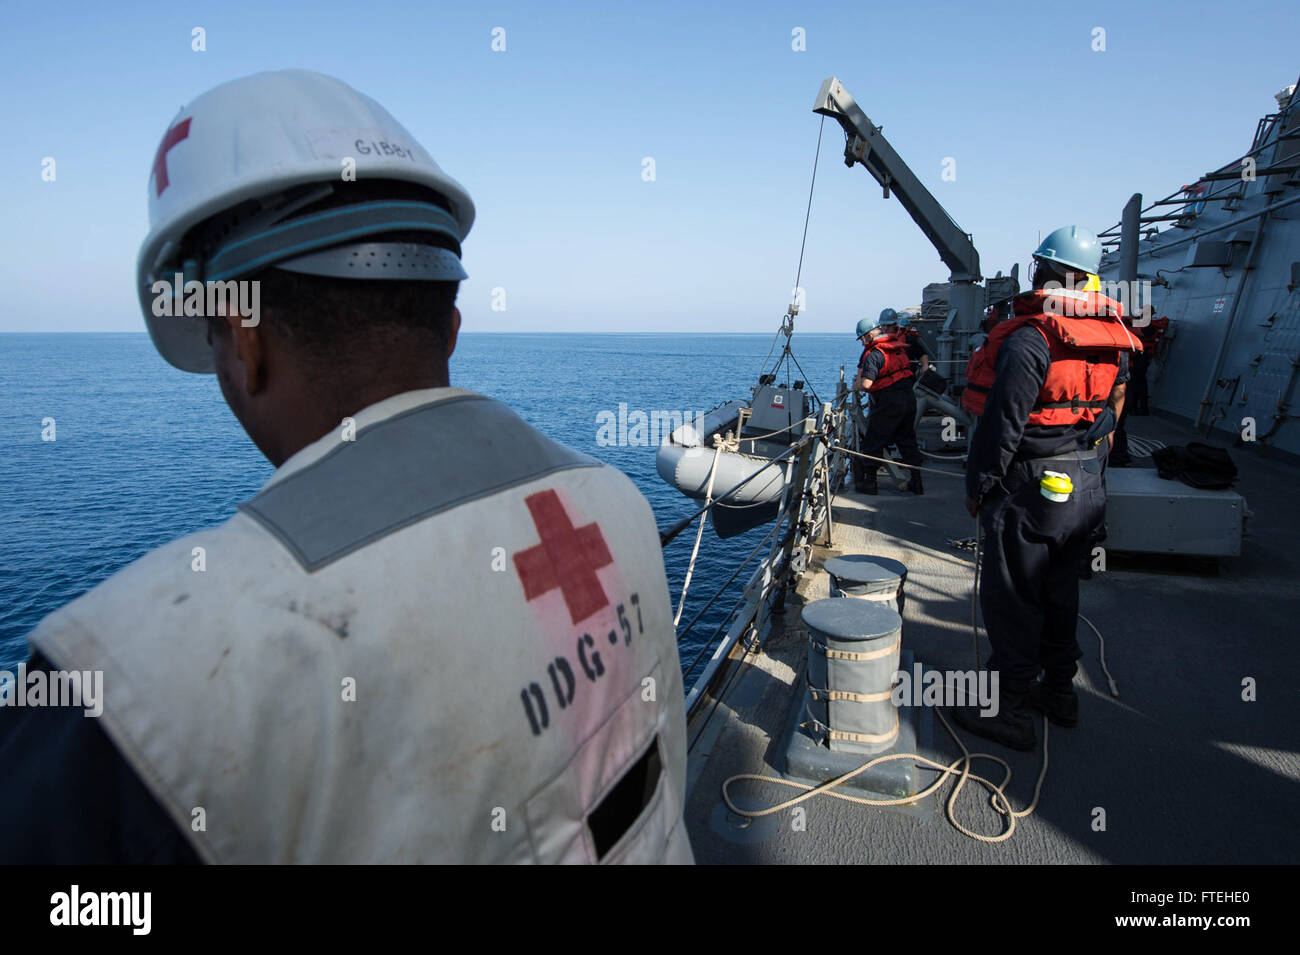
(888, 316)
(904, 321)
(864, 325)
(1072, 246)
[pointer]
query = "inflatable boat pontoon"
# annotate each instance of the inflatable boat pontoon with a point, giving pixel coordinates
(750, 434)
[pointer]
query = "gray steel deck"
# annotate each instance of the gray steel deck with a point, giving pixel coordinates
(1186, 771)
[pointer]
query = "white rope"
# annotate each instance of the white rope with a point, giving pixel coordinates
(704, 516)
(997, 798)
(1101, 641)
(997, 792)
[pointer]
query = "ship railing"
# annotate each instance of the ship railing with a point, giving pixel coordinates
(814, 467)
(1227, 184)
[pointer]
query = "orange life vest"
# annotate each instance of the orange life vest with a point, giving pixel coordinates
(979, 379)
(896, 366)
(1151, 333)
(1085, 335)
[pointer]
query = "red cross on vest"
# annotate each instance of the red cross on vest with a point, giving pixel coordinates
(170, 138)
(567, 558)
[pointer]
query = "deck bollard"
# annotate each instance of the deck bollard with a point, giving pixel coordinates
(852, 658)
(866, 577)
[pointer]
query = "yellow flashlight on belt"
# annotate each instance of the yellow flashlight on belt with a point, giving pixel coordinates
(1056, 486)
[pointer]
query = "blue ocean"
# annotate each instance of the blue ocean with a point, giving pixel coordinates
(143, 453)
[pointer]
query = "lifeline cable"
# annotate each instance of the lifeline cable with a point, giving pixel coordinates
(914, 467)
(736, 573)
(690, 568)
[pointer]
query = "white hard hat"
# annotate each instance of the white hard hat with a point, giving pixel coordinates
(254, 139)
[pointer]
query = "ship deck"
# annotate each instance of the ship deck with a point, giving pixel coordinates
(1186, 771)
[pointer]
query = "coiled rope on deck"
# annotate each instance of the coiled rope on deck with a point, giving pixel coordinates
(997, 791)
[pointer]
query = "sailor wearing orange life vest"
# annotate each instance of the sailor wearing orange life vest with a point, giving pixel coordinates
(979, 368)
(885, 373)
(1150, 334)
(1060, 367)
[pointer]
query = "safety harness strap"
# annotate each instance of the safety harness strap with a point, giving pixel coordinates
(1074, 404)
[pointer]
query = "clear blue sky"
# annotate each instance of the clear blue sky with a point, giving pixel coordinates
(549, 136)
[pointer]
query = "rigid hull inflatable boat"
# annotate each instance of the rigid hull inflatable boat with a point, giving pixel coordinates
(734, 444)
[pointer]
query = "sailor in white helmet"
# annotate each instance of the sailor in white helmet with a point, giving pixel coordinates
(435, 635)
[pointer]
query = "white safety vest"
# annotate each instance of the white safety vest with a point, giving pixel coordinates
(448, 639)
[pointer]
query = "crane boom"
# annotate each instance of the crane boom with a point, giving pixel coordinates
(868, 146)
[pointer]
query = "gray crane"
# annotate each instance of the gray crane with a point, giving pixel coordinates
(866, 144)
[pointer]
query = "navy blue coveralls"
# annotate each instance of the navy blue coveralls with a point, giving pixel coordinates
(1034, 548)
(890, 420)
(99, 814)
(915, 349)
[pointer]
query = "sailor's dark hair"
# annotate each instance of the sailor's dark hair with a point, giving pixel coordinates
(1046, 271)
(329, 320)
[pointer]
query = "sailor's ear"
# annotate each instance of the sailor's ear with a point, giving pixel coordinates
(453, 331)
(250, 351)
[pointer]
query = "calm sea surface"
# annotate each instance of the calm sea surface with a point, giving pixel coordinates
(144, 453)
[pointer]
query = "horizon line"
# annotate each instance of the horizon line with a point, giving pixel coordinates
(540, 331)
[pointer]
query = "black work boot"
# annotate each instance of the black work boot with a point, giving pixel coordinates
(861, 483)
(1012, 725)
(914, 483)
(1057, 700)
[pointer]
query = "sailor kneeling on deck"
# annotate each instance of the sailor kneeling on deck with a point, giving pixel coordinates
(885, 373)
(1034, 477)
(434, 635)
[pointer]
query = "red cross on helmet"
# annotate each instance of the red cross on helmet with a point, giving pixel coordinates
(256, 138)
